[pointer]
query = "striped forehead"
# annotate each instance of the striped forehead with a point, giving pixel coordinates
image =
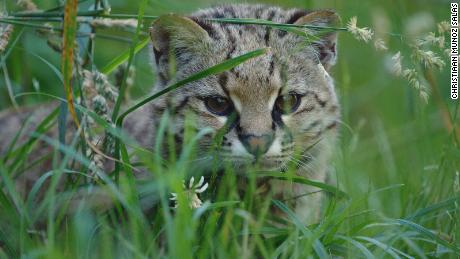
(249, 89)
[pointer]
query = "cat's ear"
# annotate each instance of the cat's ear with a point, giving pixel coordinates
(326, 43)
(174, 31)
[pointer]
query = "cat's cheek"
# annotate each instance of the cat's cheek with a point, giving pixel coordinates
(213, 122)
(294, 128)
(276, 147)
(239, 150)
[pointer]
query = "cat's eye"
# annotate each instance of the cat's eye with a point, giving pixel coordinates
(287, 103)
(218, 105)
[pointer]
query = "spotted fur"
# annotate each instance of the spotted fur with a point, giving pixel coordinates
(293, 65)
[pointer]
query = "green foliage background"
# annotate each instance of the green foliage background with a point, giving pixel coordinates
(389, 140)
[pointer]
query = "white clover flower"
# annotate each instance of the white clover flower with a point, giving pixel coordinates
(365, 34)
(191, 193)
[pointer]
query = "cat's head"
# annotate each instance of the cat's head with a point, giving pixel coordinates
(278, 103)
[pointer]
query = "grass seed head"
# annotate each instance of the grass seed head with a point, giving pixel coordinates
(363, 34)
(27, 5)
(428, 58)
(109, 23)
(412, 76)
(443, 27)
(5, 35)
(397, 67)
(431, 40)
(380, 45)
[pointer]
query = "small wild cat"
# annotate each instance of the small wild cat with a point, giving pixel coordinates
(280, 103)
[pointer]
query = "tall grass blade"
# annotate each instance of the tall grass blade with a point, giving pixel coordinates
(432, 208)
(8, 185)
(20, 153)
(298, 179)
(117, 61)
(362, 248)
(388, 249)
(52, 67)
(317, 245)
(15, 139)
(3, 57)
(11, 46)
(429, 234)
(9, 86)
(132, 49)
(39, 183)
(67, 57)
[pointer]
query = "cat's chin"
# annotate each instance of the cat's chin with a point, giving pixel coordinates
(270, 165)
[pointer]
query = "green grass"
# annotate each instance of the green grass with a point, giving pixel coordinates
(396, 165)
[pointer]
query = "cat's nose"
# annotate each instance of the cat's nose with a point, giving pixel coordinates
(257, 145)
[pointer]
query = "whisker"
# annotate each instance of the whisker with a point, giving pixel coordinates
(347, 126)
(302, 164)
